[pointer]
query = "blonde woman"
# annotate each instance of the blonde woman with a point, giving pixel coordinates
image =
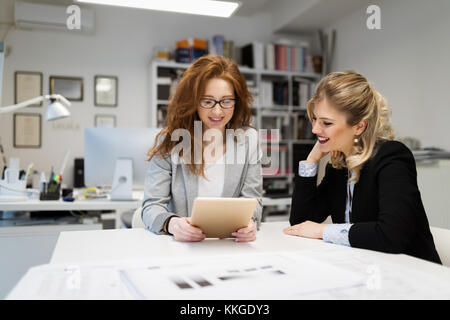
(370, 187)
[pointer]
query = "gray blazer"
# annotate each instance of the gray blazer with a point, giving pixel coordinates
(170, 188)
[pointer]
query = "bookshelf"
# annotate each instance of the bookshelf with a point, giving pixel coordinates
(279, 103)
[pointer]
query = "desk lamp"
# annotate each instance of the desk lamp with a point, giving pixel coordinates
(56, 108)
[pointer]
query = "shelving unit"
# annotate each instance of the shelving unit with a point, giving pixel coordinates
(270, 111)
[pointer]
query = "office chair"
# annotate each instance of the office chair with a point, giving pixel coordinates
(137, 222)
(442, 242)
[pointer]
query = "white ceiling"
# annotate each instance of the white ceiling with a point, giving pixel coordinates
(247, 8)
(290, 16)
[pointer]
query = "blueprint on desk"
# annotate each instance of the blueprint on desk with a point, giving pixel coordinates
(328, 273)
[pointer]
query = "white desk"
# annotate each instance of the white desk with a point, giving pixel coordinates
(401, 276)
(59, 205)
(125, 244)
(77, 205)
(98, 204)
(139, 243)
(22, 247)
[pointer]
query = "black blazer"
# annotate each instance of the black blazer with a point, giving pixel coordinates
(387, 211)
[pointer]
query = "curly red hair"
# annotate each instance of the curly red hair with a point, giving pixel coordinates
(182, 110)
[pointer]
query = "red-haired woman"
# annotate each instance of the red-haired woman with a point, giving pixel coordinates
(211, 99)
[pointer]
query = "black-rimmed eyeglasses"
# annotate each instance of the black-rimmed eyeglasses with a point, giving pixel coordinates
(211, 103)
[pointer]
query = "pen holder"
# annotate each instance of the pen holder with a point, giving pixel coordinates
(51, 194)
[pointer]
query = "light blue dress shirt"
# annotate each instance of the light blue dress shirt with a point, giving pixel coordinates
(333, 233)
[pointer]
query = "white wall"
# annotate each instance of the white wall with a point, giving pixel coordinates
(121, 46)
(407, 61)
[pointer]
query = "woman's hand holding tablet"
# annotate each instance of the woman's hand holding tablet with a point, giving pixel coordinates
(183, 230)
(246, 234)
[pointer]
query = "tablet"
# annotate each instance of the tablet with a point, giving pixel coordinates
(219, 217)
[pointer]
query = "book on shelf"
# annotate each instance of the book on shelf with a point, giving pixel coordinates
(301, 128)
(302, 90)
(288, 57)
(286, 128)
(270, 57)
(252, 55)
(276, 169)
(269, 134)
(217, 45)
(266, 97)
(190, 49)
(274, 93)
(232, 52)
(253, 88)
(304, 93)
(188, 55)
(283, 159)
(283, 56)
(280, 93)
(280, 121)
(221, 46)
(195, 43)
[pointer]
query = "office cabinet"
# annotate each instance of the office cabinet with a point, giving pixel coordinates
(22, 247)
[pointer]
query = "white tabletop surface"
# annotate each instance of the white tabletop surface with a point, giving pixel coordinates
(126, 244)
(128, 257)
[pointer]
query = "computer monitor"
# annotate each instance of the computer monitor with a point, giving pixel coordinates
(103, 146)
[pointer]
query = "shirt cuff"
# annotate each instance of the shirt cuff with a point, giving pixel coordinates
(337, 234)
(307, 169)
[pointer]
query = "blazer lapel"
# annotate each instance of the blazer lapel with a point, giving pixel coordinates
(190, 187)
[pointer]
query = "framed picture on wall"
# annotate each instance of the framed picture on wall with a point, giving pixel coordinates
(28, 85)
(69, 87)
(27, 130)
(105, 91)
(105, 121)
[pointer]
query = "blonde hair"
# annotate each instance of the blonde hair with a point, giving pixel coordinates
(351, 94)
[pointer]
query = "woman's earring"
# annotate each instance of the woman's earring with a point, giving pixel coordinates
(356, 140)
